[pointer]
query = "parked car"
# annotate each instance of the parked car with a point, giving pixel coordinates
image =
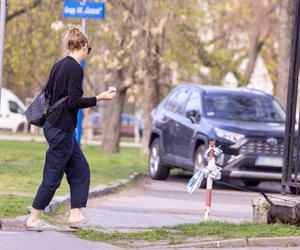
(247, 123)
(12, 117)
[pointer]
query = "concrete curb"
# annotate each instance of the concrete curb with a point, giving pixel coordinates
(251, 242)
(17, 224)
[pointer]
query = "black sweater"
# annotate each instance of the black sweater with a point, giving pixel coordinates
(65, 79)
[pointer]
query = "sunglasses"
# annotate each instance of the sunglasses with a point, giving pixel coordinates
(89, 49)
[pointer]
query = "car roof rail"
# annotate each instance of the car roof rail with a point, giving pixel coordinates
(191, 85)
(256, 90)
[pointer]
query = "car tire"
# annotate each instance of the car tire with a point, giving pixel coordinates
(199, 162)
(251, 183)
(294, 190)
(157, 170)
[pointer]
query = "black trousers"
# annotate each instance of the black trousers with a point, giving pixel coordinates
(64, 155)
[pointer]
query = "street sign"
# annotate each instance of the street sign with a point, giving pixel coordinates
(84, 9)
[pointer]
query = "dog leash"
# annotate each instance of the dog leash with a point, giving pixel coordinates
(246, 190)
(251, 191)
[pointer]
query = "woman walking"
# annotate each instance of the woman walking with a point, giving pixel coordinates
(64, 154)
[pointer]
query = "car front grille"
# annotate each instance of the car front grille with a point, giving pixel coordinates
(260, 146)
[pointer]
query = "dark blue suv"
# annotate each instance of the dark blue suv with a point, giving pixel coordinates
(247, 123)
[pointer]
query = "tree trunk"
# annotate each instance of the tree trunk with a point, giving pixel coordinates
(151, 66)
(112, 118)
(255, 35)
(151, 90)
(151, 97)
(254, 51)
(285, 34)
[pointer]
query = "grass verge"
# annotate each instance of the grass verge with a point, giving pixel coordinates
(22, 167)
(13, 205)
(186, 233)
(57, 216)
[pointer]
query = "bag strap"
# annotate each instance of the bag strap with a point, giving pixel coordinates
(61, 100)
(49, 78)
(57, 103)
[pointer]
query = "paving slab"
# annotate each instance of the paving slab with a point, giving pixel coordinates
(48, 241)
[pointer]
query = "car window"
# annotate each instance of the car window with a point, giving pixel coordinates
(180, 101)
(171, 99)
(193, 102)
(243, 108)
(14, 107)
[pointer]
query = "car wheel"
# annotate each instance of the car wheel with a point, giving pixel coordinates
(295, 190)
(157, 170)
(251, 183)
(199, 162)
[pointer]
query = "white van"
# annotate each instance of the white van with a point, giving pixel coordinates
(12, 109)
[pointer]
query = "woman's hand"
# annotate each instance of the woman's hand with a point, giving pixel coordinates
(108, 94)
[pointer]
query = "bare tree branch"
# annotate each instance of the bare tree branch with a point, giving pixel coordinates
(272, 8)
(23, 10)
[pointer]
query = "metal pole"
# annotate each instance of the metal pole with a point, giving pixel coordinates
(80, 112)
(209, 184)
(291, 101)
(2, 37)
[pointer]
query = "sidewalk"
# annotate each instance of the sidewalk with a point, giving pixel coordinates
(165, 203)
(48, 241)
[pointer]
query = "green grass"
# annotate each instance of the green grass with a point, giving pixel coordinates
(13, 205)
(231, 230)
(186, 232)
(94, 235)
(57, 215)
(22, 167)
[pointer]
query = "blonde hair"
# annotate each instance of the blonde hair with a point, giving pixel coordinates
(75, 38)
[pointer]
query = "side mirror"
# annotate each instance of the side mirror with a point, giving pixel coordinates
(194, 115)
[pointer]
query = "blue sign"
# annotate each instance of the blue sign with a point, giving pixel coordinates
(84, 9)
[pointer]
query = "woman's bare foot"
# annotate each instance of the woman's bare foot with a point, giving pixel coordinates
(34, 218)
(75, 216)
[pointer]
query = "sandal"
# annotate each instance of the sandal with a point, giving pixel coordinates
(41, 226)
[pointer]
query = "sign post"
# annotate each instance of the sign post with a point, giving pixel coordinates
(2, 37)
(76, 9)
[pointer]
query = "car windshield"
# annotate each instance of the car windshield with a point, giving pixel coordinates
(241, 107)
